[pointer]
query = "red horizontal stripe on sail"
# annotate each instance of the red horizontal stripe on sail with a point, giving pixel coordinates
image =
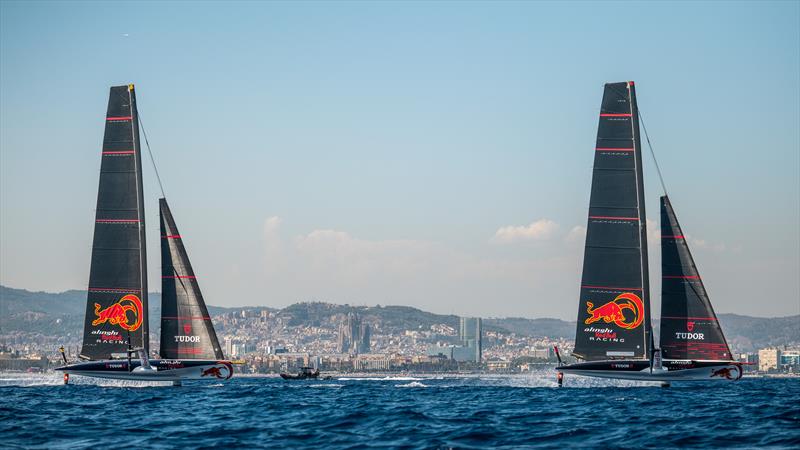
(179, 276)
(612, 288)
(613, 218)
(191, 351)
(682, 277)
(689, 318)
(171, 236)
(673, 237)
(614, 115)
(91, 289)
(606, 149)
(116, 220)
(186, 318)
(121, 152)
(112, 119)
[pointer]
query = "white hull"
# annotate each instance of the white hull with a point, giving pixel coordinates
(188, 373)
(727, 372)
(160, 370)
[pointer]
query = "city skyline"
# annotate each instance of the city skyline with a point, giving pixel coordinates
(339, 154)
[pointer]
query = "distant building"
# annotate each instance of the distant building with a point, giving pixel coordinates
(790, 358)
(465, 354)
(293, 360)
(29, 364)
(498, 365)
(540, 353)
(229, 347)
(471, 336)
(768, 359)
(372, 362)
(751, 361)
(354, 337)
(440, 350)
(364, 346)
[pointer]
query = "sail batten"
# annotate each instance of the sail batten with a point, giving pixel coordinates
(186, 327)
(116, 308)
(614, 307)
(689, 327)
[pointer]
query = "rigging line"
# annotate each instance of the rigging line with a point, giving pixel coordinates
(150, 152)
(652, 152)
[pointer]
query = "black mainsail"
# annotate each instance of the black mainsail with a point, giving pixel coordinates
(689, 328)
(116, 310)
(614, 308)
(186, 328)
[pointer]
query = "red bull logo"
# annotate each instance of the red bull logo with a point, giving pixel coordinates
(217, 371)
(614, 311)
(729, 373)
(127, 313)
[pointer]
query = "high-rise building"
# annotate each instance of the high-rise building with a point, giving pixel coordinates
(364, 346)
(768, 359)
(469, 332)
(229, 347)
(343, 342)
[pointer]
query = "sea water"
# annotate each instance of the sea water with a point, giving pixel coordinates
(519, 411)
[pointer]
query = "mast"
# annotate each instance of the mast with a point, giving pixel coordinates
(637, 145)
(614, 305)
(117, 295)
(689, 327)
(186, 328)
(140, 206)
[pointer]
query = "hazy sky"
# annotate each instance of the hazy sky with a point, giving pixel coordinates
(436, 155)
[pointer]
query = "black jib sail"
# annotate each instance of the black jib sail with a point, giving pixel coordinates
(186, 328)
(689, 328)
(117, 299)
(614, 308)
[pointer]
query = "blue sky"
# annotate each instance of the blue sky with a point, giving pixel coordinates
(430, 154)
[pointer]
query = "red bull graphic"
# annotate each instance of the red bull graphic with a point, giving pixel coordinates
(614, 311)
(128, 309)
(729, 373)
(217, 371)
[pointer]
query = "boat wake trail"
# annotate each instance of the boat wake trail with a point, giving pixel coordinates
(413, 384)
(55, 379)
(379, 379)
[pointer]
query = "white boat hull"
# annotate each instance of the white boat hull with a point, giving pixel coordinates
(162, 370)
(699, 374)
(721, 372)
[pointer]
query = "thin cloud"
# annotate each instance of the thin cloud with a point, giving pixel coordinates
(337, 266)
(653, 232)
(576, 234)
(705, 245)
(541, 230)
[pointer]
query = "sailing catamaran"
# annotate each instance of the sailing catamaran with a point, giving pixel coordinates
(117, 308)
(614, 336)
